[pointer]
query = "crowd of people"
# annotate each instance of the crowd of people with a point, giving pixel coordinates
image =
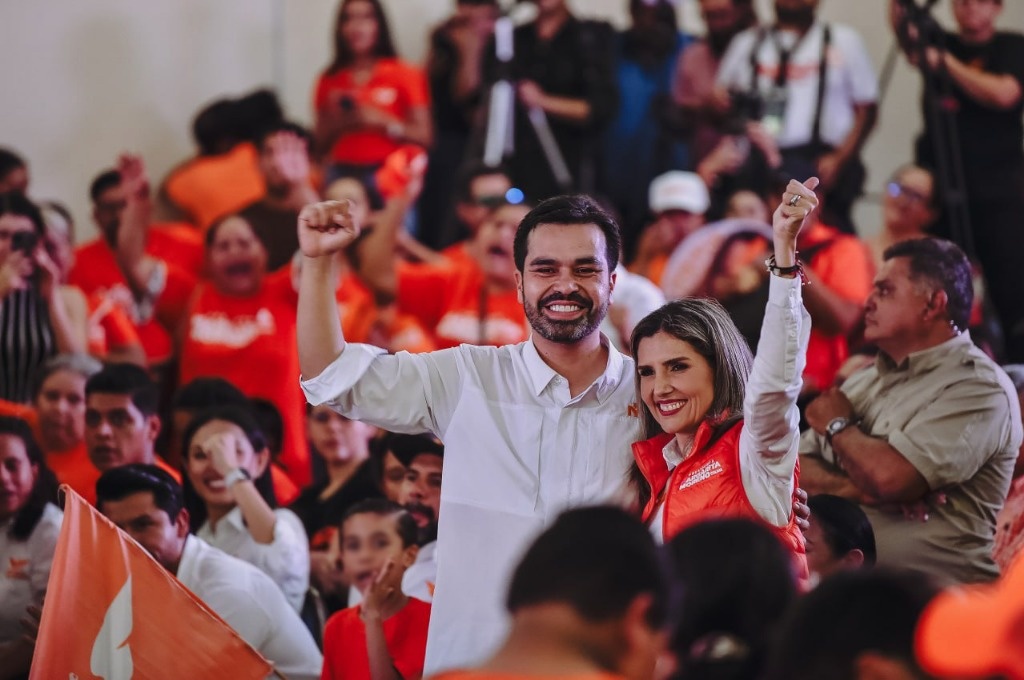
(637, 402)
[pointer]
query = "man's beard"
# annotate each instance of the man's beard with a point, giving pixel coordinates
(567, 331)
(800, 16)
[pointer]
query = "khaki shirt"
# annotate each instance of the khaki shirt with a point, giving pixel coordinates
(954, 415)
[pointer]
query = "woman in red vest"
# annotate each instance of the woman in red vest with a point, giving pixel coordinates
(722, 427)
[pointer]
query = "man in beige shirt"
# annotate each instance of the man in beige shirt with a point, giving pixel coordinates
(934, 424)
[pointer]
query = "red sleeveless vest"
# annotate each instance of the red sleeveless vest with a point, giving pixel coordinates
(708, 485)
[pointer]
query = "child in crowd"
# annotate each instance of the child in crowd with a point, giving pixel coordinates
(386, 635)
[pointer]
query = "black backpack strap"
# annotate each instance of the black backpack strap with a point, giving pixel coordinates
(826, 42)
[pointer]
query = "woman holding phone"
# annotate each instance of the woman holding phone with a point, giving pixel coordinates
(38, 317)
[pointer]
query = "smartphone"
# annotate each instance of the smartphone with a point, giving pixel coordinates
(25, 241)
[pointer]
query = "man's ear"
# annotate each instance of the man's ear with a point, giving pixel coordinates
(520, 295)
(153, 426)
(874, 666)
(937, 304)
(409, 555)
(853, 559)
(181, 524)
(645, 646)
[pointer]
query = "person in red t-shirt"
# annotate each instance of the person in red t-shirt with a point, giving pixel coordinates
(386, 635)
(241, 327)
(474, 302)
(368, 103)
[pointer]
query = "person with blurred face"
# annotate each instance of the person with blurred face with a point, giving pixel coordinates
(29, 526)
(284, 161)
(421, 497)
(385, 635)
(982, 106)
(840, 537)
(368, 102)
(479, 190)
(678, 201)
(235, 322)
(816, 95)
(60, 404)
(588, 600)
(146, 503)
(39, 316)
(909, 209)
(145, 270)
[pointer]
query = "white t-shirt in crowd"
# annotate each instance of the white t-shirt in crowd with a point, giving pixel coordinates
(25, 570)
(850, 79)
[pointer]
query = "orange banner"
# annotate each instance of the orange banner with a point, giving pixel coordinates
(113, 613)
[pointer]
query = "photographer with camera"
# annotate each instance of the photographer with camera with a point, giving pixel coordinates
(38, 317)
(812, 86)
(984, 69)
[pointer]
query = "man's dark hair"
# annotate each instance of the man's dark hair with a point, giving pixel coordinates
(257, 111)
(202, 393)
(406, 526)
(10, 161)
(384, 48)
(125, 480)
(578, 209)
(406, 447)
(470, 173)
(45, 488)
(283, 126)
(851, 613)
(108, 179)
(129, 380)
(844, 526)
(734, 581)
(16, 203)
(597, 560)
(941, 264)
(242, 417)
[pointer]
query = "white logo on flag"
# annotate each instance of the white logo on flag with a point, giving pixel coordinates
(111, 657)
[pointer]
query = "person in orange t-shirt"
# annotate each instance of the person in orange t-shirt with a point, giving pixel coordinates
(213, 185)
(59, 420)
(840, 270)
(476, 302)
(368, 103)
(241, 326)
(387, 633)
(97, 272)
(588, 601)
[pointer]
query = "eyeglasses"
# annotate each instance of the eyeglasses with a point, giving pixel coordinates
(897, 190)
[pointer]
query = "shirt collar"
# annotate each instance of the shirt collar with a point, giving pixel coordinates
(189, 558)
(541, 374)
(925, 359)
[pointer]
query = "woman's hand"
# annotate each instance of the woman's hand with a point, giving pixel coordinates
(798, 202)
(226, 451)
(15, 272)
(49, 275)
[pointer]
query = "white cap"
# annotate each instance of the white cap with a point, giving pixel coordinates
(677, 190)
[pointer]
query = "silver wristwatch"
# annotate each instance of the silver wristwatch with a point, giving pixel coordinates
(837, 425)
(235, 476)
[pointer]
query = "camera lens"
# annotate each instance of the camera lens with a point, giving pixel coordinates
(24, 241)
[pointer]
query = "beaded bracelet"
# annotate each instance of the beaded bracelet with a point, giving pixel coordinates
(797, 269)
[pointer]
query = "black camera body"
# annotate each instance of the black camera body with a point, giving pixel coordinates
(745, 107)
(24, 241)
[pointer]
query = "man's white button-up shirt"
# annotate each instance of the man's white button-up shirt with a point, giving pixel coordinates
(518, 450)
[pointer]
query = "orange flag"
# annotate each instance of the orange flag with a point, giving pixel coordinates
(112, 612)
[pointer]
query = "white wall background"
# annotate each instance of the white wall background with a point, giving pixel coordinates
(81, 81)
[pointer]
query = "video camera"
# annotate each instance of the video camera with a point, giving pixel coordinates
(918, 28)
